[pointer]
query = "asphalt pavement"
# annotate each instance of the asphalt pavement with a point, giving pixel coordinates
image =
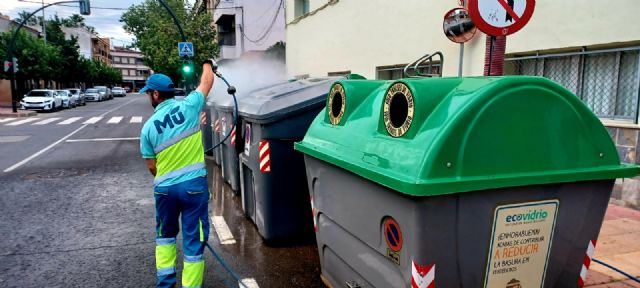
(77, 208)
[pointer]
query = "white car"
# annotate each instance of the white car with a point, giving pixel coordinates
(67, 98)
(41, 99)
(92, 94)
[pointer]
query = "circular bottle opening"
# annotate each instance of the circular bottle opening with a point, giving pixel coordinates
(398, 110)
(336, 104)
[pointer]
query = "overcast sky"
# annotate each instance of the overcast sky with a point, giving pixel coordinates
(106, 21)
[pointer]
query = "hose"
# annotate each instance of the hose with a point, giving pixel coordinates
(225, 265)
(617, 270)
(231, 90)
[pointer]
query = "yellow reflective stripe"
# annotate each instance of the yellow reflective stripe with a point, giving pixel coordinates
(165, 256)
(193, 274)
(183, 153)
(201, 231)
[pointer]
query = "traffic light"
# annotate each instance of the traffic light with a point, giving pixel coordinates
(85, 7)
(7, 66)
(15, 64)
(187, 68)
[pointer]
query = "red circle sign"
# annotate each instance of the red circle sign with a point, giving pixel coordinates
(501, 17)
(393, 234)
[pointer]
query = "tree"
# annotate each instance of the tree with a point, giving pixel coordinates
(157, 36)
(74, 20)
(23, 15)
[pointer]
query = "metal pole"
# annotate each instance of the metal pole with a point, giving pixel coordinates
(493, 42)
(461, 60)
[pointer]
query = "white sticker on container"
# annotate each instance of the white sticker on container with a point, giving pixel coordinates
(520, 244)
(247, 139)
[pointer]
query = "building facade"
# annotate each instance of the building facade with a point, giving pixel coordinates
(101, 48)
(85, 41)
(590, 49)
(247, 25)
(129, 62)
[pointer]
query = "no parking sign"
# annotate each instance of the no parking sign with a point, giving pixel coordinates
(501, 17)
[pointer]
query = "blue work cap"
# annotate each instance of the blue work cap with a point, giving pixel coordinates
(158, 82)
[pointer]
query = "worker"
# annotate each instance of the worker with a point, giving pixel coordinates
(171, 144)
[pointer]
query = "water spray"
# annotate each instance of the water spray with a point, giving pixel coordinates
(231, 90)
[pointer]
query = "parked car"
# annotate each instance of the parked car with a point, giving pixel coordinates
(93, 94)
(119, 92)
(78, 96)
(41, 99)
(67, 98)
(127, 89)
(105, 91)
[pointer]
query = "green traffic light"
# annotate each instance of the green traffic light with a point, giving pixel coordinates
(186, 69)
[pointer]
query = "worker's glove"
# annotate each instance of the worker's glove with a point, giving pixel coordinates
(214, 65)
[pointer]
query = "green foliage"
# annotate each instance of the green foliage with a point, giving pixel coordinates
(157, 35)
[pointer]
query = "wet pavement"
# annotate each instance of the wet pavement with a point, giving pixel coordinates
(293, 265)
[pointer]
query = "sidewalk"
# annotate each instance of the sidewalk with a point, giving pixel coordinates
(7, 112)
(619, 246)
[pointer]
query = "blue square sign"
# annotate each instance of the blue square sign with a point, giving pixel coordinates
(185, 49)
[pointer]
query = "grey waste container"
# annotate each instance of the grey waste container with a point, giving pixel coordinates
(273, 183)
(224, 108)
(215, 134)
(207, 131)
(457, 182)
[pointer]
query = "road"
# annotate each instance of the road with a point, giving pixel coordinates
(77, 208)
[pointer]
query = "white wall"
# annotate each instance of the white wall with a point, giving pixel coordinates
(84, 40)
(359, 35)
(258, 15)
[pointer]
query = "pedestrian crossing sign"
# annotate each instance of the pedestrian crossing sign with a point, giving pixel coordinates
(185, 49)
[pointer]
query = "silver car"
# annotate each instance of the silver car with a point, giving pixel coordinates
(105, 91)
(92, 94)
(78, 96)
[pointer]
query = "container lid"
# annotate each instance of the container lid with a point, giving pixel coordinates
(277, 101)
(434, 136)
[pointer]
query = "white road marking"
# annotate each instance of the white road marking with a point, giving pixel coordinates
(224, 234)
(248, 283)
(46, 121)
(93, 120)
(103, 139)
(69, 121)
(16, 123)
(114, 120)
(33, 156)
(136, 119)
(2, 120)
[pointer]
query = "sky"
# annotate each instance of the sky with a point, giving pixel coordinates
(106, 21)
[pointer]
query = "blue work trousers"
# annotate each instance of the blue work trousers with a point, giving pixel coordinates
(187, 200)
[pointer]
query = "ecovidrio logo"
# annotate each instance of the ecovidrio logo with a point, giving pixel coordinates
(531, 215)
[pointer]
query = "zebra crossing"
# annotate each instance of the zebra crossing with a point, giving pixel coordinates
(36, 121)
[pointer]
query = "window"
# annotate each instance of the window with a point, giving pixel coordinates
(227, 30)
(116, 59)
(125, 72)
(607, 80)
(301, 7)
(397, 71)
(132, 72)
(132, 60)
